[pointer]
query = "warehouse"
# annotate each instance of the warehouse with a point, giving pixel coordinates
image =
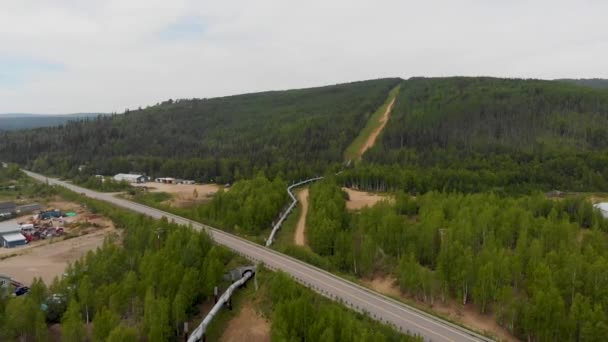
(10, 234)
(131, 178)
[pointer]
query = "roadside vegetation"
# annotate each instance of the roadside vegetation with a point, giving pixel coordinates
(144, 286)
(516, 258)
(106, 184)
(16, 186)
(247, 208)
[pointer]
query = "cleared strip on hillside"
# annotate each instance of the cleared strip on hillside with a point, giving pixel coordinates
(373, 128)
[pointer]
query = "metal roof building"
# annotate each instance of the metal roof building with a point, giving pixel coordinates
(10, 234)
(603, 207)
(10, 226)
(130, 178)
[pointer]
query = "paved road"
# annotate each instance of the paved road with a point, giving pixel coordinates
(381, 308)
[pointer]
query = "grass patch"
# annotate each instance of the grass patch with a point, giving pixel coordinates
(152, 198)
(352, 151)
(156, 199)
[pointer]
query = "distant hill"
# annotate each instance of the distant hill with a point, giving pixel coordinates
(600, 83)
(472, 134)
(493, 115)
(300, 131)
(460, 133)
(16, 121)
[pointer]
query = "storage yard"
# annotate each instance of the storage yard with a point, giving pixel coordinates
(54, 237)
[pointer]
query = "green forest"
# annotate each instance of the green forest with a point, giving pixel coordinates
(297, 132)
(143, 286)
(146, 283)
(449, 134)
(475, 134)
(540, 266)
(465, 161)
(248, 208)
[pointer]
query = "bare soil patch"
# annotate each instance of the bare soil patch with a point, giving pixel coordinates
(371, 140)
(248, 325)
(466, 315)
(361, 199)
(385, 284)
(48, 258)
(184, 195)
(299, 237)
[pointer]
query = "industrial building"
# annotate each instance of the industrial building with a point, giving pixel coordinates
(131, 178)
(10, 234)
(603, 207)
(165, 180)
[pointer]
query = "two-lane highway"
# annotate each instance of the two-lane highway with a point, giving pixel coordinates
(379, 307)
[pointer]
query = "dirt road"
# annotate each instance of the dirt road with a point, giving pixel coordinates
(299, 237)
(371, 140)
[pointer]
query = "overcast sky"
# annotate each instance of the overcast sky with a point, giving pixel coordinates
(63, 56)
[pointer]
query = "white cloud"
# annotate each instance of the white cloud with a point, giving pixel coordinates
(114, 55)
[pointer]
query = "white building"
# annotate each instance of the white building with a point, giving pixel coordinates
(603, 207)
(10, 234)
(129, 178)
(165, 180)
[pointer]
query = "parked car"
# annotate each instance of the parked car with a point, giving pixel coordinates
(20, 291)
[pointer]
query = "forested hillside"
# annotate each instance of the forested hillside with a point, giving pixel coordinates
(296, 131)
(486, 133)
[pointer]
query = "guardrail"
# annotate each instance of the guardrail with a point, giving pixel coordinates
(289, 209)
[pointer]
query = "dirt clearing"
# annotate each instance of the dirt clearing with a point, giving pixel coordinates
(248, 325)
(299, 237)
(386, 285)
(466, 315)
(361, 199)
(48, 258)
(184, 195)
(371, 140)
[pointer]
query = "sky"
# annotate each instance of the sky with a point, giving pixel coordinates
(68, 56)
